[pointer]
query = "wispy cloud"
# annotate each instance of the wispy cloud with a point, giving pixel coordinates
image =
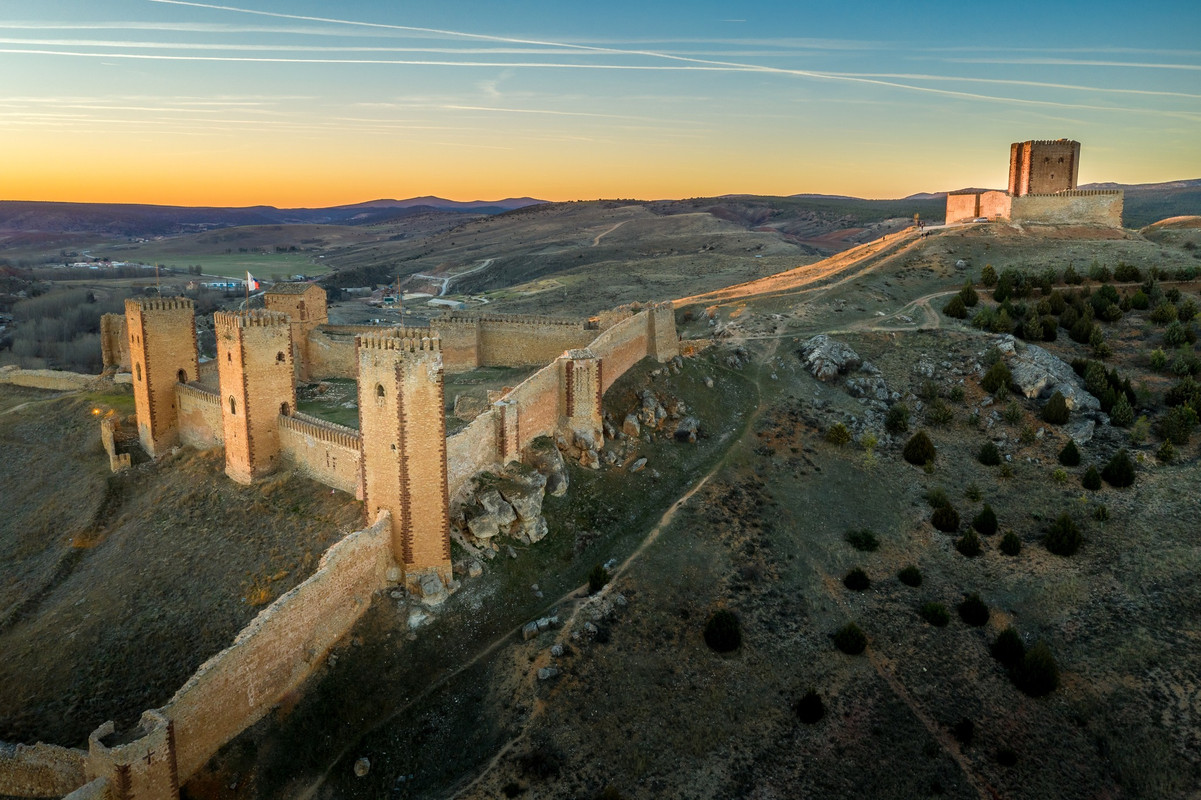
(1073, 62)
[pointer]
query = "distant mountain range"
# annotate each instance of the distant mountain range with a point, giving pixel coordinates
(115, 219)
(1145, 203)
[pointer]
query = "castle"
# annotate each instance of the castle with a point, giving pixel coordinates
(400, 460)
(1042, 189)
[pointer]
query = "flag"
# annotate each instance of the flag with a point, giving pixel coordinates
(252, 283)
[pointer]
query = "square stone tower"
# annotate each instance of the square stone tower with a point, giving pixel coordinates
(254, 366)
(162, 352)
(1043, 167)
(402, 417)
(305, 305)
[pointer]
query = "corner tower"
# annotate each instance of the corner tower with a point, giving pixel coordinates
(162, 352)
(402, 417)
(254, 366)
(305, 304)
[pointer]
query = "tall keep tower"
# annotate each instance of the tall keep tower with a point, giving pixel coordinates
(254, 365)
(403, 421)
(1043, 167)
(305, 304)
(162, 352)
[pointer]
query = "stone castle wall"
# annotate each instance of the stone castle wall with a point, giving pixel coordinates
(971, 205)
(279, 649)
(538, 402)
(114, 342)
(199, 412)
(1076, 207)
(622, 346)
(328, 453)
(40, 770)
(331, 348)
(472, 449)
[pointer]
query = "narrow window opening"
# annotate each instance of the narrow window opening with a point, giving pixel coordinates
(285, 410)
(182, 376)
(233, 405)
(379, 390)
(138, 370)
(279, 357)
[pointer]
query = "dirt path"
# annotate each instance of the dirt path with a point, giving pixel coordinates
(448, 279)
(603, 234)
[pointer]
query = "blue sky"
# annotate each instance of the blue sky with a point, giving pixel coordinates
(315, 103)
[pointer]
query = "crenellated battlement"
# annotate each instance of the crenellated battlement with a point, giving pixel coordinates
(509, 319)
(160, 304)
(257, 318)
(323, 431)
(198, 393)
(404, 343)
(1076, 193)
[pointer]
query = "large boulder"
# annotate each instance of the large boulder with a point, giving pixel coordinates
(490, 515)
(544, 456)
(828, 358)
(1039, 374)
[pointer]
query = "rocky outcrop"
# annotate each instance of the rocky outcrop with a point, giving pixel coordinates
(1039, 374)
(827, 358)
(544, 456)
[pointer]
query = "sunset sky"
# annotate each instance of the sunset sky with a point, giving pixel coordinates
(307, 103)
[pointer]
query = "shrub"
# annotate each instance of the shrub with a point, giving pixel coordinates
(945, 519)
(897, 420)
(936, 614)
(1159, 359)
(1163, 313)
(969, 544)
(1012, 413)
(939, 413)
(1127, 273)
(1121, 414)
(986, 521)
(955, 308)
(1166, 452)
(1091, 479)
(1063, 538)
(1140, 301)
(850, 639)
(863, 540)
(838, 434)
(1007, 756)
(1140, 430)
(1069, 456)
(956, 394)
(1011, 544)
(810, 709)
(1056, 409)
(1036, 674)
(1119, 472)
(910, 576)
(1177, 425)
(988, 276)
(989, 455)
(919, 450)
(1175, 334)
(598, 576)
(723, 631)
(1101, 513)
(1072, 277)
(972, 492)
(1008, 647)
(856, 580)
(998, 375)
(937, 498)
(973, 611)
(968, 295)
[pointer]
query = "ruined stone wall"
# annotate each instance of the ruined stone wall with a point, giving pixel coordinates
(331, 348)
(279, 649)
(994, 205)
(328, 453)
(199, 410)
(403, 424)
(114, 342)
(40, 770)
(254, 359)
(969, 206)
(621, 347)
(51, 379)
(163, 352)
(1078, 207)
(539, 404)
(108, 439)
(472, 449)
(664, 341)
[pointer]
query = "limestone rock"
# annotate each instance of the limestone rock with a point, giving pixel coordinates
(630, 426)
(1038, 373)
(490, 515)
(1080, 430)
(638, 465)
(362, 767)
(475, 569)
(546, 673)
(826, 358)
(590, 459)
(417, 618)
(687, 430)
(543, 456)
(523, 487)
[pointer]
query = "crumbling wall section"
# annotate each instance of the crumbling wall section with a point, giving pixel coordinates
(279, 649)
(40, 770)
(114, 342)
(328, 453)
(474, 448)
(199, 411)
